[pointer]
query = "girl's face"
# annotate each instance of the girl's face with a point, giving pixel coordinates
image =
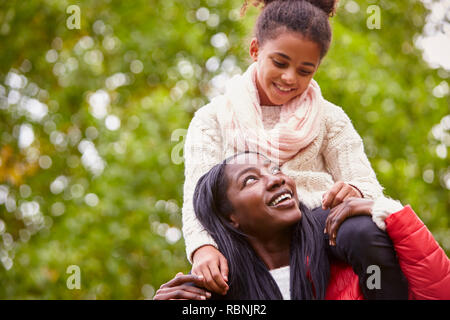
(263, 198)
(286, 65)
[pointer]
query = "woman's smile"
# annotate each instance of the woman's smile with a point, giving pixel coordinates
(282, 199)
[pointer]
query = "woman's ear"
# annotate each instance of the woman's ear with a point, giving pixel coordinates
(234, 221)
(254, 49)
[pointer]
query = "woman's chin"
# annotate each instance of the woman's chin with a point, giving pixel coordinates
(289, 215)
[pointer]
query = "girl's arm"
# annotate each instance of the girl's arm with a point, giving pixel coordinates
(344, 154)
(202, 150)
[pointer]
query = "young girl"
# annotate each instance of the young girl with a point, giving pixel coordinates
(277, 109)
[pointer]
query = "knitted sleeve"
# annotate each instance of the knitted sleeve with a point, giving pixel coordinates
(344, 154)
(202, 150)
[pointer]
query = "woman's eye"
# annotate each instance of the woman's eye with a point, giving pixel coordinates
(250, 178)
(276, 170)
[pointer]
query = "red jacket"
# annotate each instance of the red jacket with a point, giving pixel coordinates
(422, 260)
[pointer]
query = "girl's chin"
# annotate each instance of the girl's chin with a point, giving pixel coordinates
(279, 97)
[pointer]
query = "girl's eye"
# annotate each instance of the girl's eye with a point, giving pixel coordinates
(278, 64)
(305, 73)
(282, 65)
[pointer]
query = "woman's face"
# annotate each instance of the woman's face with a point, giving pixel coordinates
(286, 65)
(263, 198)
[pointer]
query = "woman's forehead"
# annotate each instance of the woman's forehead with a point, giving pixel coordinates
(253, 159)
(245, 162)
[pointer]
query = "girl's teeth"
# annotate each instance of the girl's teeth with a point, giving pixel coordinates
(283, 89)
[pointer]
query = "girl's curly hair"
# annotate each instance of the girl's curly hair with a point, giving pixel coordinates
(308, 17)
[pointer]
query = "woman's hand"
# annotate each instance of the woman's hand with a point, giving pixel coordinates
(338, 193)
(177, 289)
(348, 208)
(212, 265)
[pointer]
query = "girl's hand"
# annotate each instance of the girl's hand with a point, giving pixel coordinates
(212, 265)
(348, 208)
(338, 193)
(177, 289)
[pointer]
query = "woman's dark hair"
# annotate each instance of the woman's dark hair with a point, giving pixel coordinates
(249, 277)
(308, 17)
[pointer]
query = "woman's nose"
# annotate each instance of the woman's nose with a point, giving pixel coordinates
(275, 181)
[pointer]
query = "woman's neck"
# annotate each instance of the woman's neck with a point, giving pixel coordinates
(274, 251)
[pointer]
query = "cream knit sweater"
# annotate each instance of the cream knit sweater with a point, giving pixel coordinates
(337, 154)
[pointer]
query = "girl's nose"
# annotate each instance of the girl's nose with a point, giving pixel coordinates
(288, 77)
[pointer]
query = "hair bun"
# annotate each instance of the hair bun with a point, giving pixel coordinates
(328, 6)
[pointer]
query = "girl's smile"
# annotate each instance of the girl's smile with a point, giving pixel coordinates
(286, 65)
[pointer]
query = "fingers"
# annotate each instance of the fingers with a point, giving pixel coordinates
(210, 263)
(218, 279)
(177, 289)
(182, 279)
(329, 196)
(223, 265)
(343, 193)
(338, 193)
(210, 282)
(334, 220)
(184, 292)
(325, 201)
(356, 192)
(350, 207)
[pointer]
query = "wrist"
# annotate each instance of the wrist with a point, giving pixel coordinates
(382, 208)
(357, 190)
(201, 249)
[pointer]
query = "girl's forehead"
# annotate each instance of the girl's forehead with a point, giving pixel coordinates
(287, 37)
(295, 45)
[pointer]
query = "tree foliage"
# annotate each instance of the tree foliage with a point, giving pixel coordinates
(93, 120)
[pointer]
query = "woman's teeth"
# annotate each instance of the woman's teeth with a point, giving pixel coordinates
(280, 198)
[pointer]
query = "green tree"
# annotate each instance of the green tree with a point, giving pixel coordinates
(92, 121)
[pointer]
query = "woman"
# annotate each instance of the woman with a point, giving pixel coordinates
(276, 247)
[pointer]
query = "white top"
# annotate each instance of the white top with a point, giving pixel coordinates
(282, 278)
(337, 154)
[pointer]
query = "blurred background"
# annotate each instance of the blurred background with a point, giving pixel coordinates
(93, 112)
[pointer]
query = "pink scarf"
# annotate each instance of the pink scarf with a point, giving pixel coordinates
(242, 126)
